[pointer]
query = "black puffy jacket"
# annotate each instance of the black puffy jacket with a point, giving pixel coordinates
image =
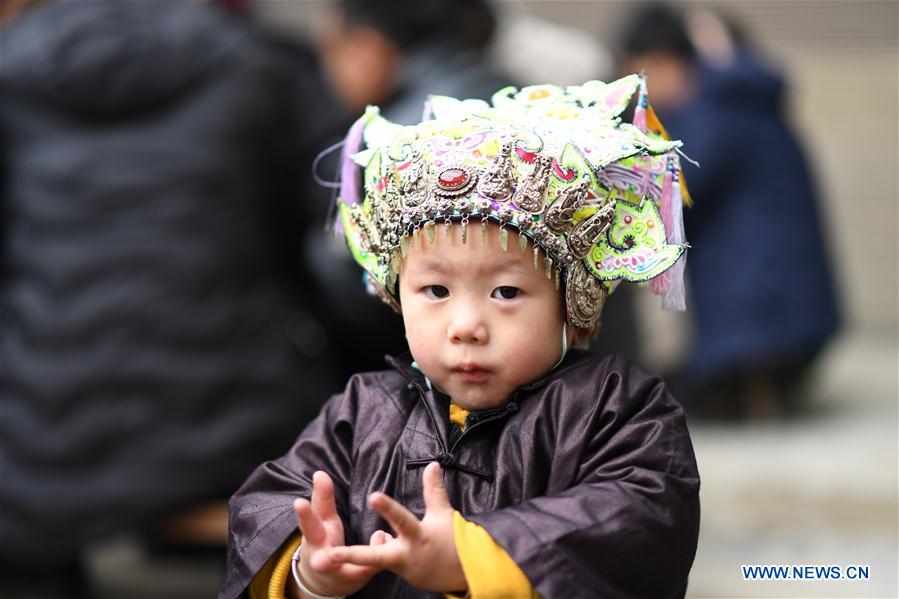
(153, 344)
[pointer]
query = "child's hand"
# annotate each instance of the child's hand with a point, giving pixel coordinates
(323, 529)
(424, 553)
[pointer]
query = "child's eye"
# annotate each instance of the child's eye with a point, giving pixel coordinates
(506, 292)
(436, 291)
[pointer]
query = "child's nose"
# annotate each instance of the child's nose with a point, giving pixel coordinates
(467, 326)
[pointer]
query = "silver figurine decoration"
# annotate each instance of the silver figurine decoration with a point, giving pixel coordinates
(531, 194)
(585, 295)
(559, 214)
(589, 231)
(414, 180)
(497, 180)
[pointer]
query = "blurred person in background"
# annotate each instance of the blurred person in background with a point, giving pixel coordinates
(762, 297)
(157, 337)
(394, 54)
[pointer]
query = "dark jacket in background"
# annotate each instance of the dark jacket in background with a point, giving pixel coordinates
(154, 345)
(586, 477)
(761, 286)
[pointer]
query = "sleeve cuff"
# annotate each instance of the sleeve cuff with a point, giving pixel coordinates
(271, 580)
(489, 570)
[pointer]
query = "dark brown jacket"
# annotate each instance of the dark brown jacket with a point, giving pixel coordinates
(586, 477)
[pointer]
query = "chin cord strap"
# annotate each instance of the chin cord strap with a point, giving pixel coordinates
(427, 380)
(564, 346)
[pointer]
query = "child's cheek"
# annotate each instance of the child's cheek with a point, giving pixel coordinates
(417, 340)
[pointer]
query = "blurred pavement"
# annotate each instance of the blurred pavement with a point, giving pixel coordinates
(821, 490)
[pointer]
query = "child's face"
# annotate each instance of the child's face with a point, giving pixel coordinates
(480, 321)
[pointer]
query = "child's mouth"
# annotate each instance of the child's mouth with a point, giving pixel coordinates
(471, 373)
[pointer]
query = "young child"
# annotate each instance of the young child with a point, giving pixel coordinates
(493, 461)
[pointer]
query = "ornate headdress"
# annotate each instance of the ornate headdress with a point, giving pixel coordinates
(601, 198)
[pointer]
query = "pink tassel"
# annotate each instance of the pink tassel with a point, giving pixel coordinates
(661, 284)
(349, 170)
(350, 185)
(676, 297)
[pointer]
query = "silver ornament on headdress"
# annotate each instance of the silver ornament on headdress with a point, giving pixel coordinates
(454, 181)
(531, 194)
(560, 213)
(589, 231)
(414, 180)
(498, 179)
(585, 296)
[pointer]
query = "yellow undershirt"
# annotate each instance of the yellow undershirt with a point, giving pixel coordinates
(458, 415)
(489, 571)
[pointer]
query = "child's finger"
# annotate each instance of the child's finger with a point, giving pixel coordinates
(402, 520)
(434, 489)
(323, 496)
(353, 571)
(379, 537)
(310, 525)
(377, 556)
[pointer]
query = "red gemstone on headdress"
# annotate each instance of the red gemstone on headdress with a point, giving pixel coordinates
(452, 178)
